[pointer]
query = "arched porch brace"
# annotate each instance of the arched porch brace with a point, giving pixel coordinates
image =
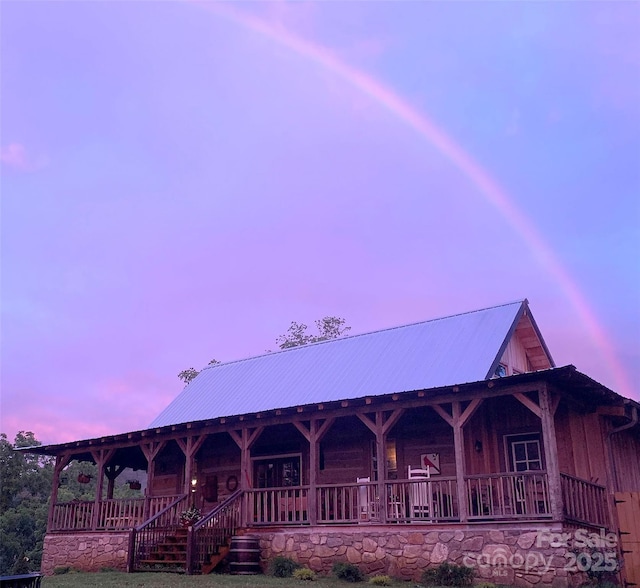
(380, 428)
(545, 411)
(318, 428)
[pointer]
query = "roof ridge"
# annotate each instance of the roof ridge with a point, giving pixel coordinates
(307, 345)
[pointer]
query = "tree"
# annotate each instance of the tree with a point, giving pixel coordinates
(329, 327)
(189, 374)
(24, 495)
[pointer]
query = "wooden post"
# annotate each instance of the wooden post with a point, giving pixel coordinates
(61, 462)
(458, 443)
(381, 454)
(312, 511)
(150, 451)
(244, 441)
(101, 457)
(550, 452)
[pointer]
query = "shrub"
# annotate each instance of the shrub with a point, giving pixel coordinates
(304, 574)
(282, 567)
(347, 572)
(447, 574)
(380, 581)
(61, 570)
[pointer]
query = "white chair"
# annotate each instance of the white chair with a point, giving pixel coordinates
(364, 505)
(420, 493)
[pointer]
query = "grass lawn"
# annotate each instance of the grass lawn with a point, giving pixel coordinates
(162, 580)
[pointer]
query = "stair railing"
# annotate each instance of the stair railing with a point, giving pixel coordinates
(145, 536)
(212, 532)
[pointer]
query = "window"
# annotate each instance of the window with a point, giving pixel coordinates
(501, 371)
(277, 472)
(523, 452)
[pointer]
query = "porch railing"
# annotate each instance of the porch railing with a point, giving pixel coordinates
(584, 502)
(144, 537)
(431, 500)
(213, 532)
(281, 506)
(73, 516)
(115, 514)
(516, 495)
(346, 503)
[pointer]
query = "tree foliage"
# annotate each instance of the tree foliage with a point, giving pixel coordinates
(329, 327)
(24, 495)
(189, 374)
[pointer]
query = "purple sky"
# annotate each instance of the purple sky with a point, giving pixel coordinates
(181, 180)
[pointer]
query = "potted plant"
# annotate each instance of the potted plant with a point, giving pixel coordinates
(190, 516)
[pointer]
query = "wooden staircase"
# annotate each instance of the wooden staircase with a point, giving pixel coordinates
(216, 558)
(169, 555)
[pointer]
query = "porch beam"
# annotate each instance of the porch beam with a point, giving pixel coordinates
(458, 444)
(368, 422)
(530, 404)
(550, 452)
(391, 421)
(443, 413)
(470, 410)
(303, 430)
(323, 429)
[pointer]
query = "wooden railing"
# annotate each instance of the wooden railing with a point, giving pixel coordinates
(112, 515)
(144, 537)
(513, 495)
(116, 514)
(584, 502)
(346, 503)
(283, 506)
(72, 516)
(431, 500)
(212, 532)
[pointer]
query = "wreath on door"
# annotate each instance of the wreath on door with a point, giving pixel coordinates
(232, 483)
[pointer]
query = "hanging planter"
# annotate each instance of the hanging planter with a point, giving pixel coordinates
(84, 478)
(134, 485)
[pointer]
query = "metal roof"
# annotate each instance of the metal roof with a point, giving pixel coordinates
(440, 352)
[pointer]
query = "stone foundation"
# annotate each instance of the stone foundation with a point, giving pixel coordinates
(508, 556)
(88, 552)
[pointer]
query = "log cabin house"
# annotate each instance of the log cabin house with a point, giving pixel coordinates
(456, 439)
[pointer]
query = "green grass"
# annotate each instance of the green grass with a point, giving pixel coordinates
(162, 580)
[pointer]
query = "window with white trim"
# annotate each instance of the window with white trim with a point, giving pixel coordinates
(524, 452)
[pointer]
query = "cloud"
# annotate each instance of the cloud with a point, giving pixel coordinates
(15, 156)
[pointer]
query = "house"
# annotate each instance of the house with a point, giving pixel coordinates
(456, 439)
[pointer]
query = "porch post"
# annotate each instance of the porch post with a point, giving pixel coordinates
(150, 451)
(312, 512)
(244, 441)
(381, 453)
(61, 462)
(458, 444)
(101, 457)
(550, 452)
(190, 446)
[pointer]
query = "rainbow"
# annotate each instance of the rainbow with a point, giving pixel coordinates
(426, 128)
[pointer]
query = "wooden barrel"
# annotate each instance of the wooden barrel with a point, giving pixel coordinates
(244, 555)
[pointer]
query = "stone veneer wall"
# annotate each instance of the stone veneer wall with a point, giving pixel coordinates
(89, 552)
(506, 556)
